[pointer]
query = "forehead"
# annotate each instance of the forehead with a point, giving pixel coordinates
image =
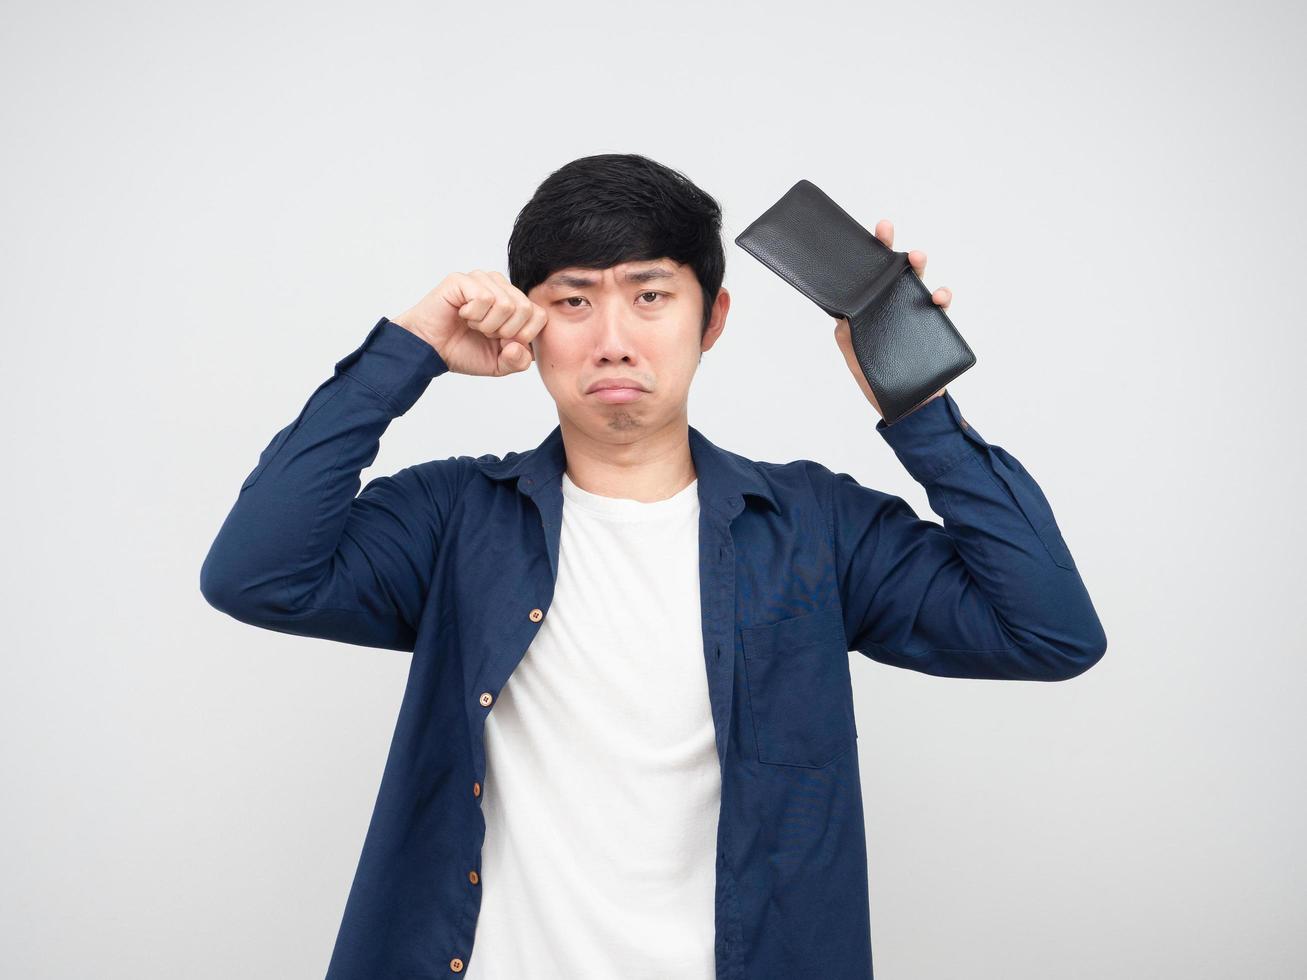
(648, 270)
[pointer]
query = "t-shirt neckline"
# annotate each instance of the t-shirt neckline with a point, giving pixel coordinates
(625, 508)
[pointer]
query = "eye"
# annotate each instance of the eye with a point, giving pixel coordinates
(649, 292)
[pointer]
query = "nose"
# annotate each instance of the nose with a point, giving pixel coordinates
(614, 342)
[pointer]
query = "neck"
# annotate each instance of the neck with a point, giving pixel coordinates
(628, 460)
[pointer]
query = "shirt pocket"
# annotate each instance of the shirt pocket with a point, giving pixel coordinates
(800, 694)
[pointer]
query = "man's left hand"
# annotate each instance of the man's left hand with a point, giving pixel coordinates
(844, 338)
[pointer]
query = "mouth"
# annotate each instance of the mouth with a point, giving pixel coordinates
(614, 383)
(617, 394)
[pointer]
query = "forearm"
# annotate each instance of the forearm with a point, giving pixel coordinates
(1005, 532)
(275, 547)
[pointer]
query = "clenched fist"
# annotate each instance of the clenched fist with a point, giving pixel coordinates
(478, 322)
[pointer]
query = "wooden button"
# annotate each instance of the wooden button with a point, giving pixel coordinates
(476, 789)
(536, 615)
(456, 965)
(473, 877)
(486, 698)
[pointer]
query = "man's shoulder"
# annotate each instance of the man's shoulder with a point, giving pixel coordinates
(812, 477)
(443, 475)
(787, 469)
(788, 479)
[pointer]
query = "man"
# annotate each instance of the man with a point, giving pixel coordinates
(627, 744)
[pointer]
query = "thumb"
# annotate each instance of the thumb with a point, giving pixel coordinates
(514, 357)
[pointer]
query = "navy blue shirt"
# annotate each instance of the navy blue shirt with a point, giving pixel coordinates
(455, 560)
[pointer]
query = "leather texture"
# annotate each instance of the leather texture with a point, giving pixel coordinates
(906, 345)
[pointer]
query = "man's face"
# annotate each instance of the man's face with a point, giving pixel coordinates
(638, 321)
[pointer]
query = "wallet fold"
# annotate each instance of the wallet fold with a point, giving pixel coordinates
(906, 345)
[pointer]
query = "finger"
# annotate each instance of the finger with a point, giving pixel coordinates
(502, 306)
(514, 357)
(489, 280)
(885, 232)
(538, 320)
(524, 312)
(917, 259)
(478, 300)
(508, 286)
(943, 296)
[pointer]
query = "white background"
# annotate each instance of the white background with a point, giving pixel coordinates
(206, 205)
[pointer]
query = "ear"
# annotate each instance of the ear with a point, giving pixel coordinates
(717, 322)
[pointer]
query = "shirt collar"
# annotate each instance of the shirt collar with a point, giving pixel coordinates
(723, 475)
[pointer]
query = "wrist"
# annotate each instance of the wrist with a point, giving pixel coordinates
(414, 324)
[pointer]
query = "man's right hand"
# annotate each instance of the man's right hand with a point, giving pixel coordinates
(478, 322)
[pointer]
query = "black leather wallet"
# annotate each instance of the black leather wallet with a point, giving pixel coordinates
(905, 343)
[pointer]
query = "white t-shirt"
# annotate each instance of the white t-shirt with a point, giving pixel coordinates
(602, 784)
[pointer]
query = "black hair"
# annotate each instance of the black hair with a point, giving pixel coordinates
(602, 210)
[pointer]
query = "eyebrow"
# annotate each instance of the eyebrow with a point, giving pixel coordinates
(584, 282)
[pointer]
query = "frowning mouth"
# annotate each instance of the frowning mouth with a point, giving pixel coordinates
(615, 383)
(614, 395)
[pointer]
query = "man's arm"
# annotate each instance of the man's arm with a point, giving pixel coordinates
(300, 552)
(993, 593)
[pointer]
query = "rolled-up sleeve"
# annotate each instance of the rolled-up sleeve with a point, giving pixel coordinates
(993, 592)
